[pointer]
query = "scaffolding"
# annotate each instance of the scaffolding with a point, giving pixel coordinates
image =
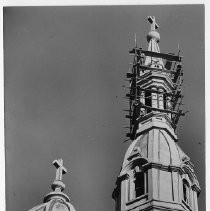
(139, 74)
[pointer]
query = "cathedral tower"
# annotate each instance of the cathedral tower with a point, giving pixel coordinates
(156, 174)
(56, 200)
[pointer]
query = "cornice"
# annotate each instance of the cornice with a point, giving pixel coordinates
(155, 121)
(159, 166)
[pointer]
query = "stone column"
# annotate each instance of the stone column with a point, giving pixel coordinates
(160, 98)
(142, 100)
(168, 104)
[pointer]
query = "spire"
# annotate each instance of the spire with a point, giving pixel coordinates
(155, 85)
(153, 38)
(155, 173)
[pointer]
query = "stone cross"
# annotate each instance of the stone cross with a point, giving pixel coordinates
(60, 169)
(153, 23)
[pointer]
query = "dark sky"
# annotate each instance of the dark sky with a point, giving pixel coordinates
(64, 71)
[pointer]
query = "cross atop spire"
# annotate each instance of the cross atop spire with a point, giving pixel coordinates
(154, 25)
(58, 186)
(60, 169)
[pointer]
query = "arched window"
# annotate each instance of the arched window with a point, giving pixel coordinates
(148, 101)
(140, 183)
(137, 183)
(186, 191)
(165, 106)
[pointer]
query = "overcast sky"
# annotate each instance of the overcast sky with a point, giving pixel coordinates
(64, 71)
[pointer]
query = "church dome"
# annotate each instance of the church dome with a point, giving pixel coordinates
(56, 204)
(155, 146)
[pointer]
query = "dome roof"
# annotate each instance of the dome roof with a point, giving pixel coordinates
(156, 146)
(55, 204)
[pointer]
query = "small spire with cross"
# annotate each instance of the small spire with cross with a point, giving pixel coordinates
(154, 25)
(58, 184)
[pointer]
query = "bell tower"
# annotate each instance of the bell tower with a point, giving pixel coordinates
(156, 174)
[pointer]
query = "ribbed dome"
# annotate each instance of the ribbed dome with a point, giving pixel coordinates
(55, 204)
(156, 146)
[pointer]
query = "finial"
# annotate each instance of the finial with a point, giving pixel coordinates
(153, 34)
(58, 184)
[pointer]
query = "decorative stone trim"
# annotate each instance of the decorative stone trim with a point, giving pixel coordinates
(196, 188)
(118, 182)
(154, 122)
(154, 203)
(186, 205)
(134, 155)
(151, 75)
(145, 196)
(160, 166)
(57, 201)
(56, 195)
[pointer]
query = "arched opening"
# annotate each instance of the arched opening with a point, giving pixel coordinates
(137, 183)
(140, 184)
(165, 101)
(148, 101)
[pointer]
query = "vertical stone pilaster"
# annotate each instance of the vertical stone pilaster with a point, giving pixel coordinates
(195, 198)
(155, 140)
(168, 104)
(123, 195)
(154, 184)
(175, 181)
(180, 189)
(132, 188)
